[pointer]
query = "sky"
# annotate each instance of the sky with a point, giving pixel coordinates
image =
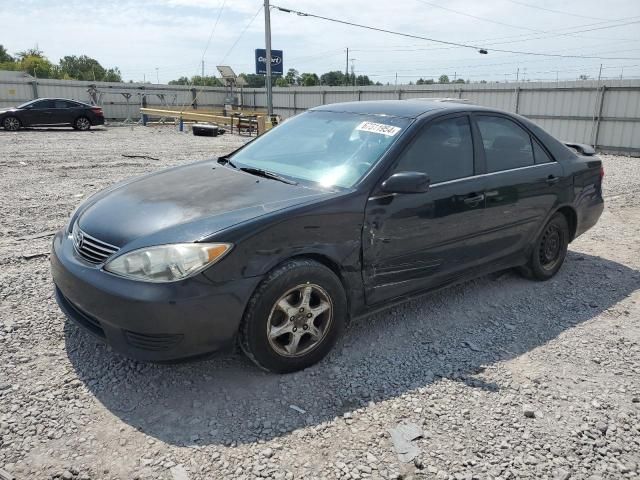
(164, 39)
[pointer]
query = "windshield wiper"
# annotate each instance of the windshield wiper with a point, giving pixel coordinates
(267, 174)
(225, 161)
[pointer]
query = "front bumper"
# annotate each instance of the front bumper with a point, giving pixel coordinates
(148, 321)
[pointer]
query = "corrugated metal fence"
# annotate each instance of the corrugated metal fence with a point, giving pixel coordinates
(606, 114)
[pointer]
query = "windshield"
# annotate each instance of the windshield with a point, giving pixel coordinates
(26, 103)
(330, 148)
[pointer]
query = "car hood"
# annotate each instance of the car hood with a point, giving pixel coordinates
(185, 204)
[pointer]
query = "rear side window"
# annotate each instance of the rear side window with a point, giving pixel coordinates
(506, 144)
(62, 104)
(443, 150)
(540, 155)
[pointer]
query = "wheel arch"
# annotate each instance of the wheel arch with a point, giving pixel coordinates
(572, 219)
(327, 262)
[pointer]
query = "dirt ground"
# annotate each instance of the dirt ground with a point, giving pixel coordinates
(505, 378)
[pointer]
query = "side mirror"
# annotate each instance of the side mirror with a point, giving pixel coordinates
(406, 182)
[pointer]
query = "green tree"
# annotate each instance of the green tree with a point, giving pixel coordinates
(363, 80)
(282, 82)
(86, 68)
(31, 52)
(309, 80)
(292, 77)
(443, 79)
(4, 55)
(253, 80)
(459, 80)
(81, 68)
(38, 67)
(112, 75)
(333, 78)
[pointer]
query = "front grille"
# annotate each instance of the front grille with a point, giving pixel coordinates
(157, 342)
(90, 248)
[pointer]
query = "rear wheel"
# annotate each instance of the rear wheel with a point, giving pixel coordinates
(549, 250)
(11, 124)
(294, 318)
(82, 123)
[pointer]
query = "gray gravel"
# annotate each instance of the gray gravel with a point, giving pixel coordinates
(503, 378)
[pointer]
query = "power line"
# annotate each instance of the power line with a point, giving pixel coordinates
(215, 26)
(241, 34)
(446, 42)
(572, 14)
(520, 27)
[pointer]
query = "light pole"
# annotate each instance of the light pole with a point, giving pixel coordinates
(157, 75)
(267, 38)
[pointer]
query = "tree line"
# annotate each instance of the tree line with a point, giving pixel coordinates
(70, 67)
(82, 67)
(295, 79)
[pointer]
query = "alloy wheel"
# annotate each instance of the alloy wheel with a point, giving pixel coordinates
(300, 320)
(83, 124)
(12, 124)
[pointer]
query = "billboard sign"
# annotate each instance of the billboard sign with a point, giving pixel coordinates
(261, 62)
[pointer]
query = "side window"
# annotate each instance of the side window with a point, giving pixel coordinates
(506, 144)
(443, 150)
(62, 104)
(541, 156)
(42, 104)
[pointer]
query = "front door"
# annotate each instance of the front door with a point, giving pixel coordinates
(416, 241)
(39, 113)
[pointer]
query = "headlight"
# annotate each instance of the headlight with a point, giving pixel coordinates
(167, 263)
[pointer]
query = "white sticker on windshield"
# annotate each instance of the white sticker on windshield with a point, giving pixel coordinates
(381, 128)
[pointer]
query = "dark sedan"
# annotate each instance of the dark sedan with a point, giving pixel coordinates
(51, 112)
(338, 212)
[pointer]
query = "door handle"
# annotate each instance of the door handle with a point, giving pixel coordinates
(474, 199)
(552, 179)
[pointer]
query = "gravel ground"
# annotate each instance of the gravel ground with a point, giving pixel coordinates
(503, 378)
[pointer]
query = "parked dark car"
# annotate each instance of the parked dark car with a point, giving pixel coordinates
(52, 112)
(338, 212)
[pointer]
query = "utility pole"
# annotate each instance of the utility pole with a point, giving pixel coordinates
(353, 70)
(346, 68)
(267, 38)
(157, 75)
(518, 74)
(600, 73)
(203, 70)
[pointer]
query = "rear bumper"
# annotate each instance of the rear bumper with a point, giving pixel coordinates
(588, 214)
(97, 121)
(147, 321)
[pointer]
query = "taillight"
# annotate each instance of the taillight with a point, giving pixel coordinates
(97, 111)
(601, 172)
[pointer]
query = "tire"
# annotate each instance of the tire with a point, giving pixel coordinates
(11, 124)
(549, 251)
(82, 123)
(284, 329)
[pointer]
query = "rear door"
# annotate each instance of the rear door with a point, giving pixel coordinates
(62, 112)
(523, 183)
(415, 241)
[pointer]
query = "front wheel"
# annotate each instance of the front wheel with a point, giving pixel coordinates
(82, 123)
(549, 251)
(12, 124)
(294, 318)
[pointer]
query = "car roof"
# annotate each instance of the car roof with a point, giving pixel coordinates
(59, 98)
(411, 108)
